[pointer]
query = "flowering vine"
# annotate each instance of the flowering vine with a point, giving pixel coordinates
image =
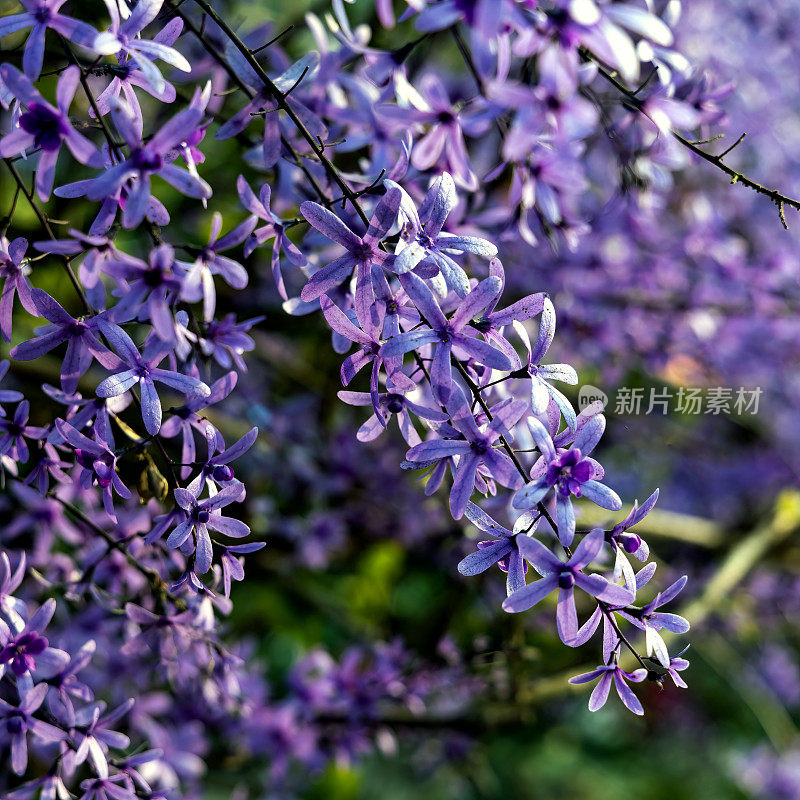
(400, 247)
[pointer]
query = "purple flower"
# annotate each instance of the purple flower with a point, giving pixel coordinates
(116, 199)
(108, 789)
(125, 37)
(83, 411)
(49, 465)
(7, 395)
(626, 543)
(186, 417)
(607, 674)
(227, 340)
(391, 403)
(369, 340)
(564, 576)
(232, 569)
(275, 229)
(652, 621)
(602, 29)
(66, 685)
(10, 581)
(98, 465)
(569, 473)
(491, 323)
(83, 344)
(14, 431)
(41, 15)
(446, 335)
(18, 721)
(542, 391)
(363, 252)
(216, 472)
(482, 17)
(93, 734)
(263, 104)
(502, 551)
(443, 144)
(46, 127)
(152, 288)
(143, 369)
(46, 787)
(127, 74)
(149, 158)
(99, 250)
(678, 664)
(26, 650)
(202, 515)
(15, 279)
(199, 281)
(43, 516)
(475, 449)
(423, 240)
(546, 185)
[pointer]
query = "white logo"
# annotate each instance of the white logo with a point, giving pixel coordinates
(591, 394)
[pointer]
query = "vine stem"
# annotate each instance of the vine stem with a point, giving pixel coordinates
(781, 200)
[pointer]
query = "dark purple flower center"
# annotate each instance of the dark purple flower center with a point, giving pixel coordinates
(445, 334)
(15, 724)
(44, 515)
(153, 277)
(630, 542)
(202, 516)
(566, 579)
(364, 252)
(394, 403)
(222, 473)
(145, 160)
(568, 472)
(14, 429)
(21, 652)
(446, 117)
(425, 240)
(78, 328)
(43, 14)
(8, 268)
(88, 461)
(479, 448)
(122, 71)
(45, 125)
(552, 102)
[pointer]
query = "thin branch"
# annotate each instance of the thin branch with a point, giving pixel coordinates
(45, 224)
(636, 103)
(280, 99)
